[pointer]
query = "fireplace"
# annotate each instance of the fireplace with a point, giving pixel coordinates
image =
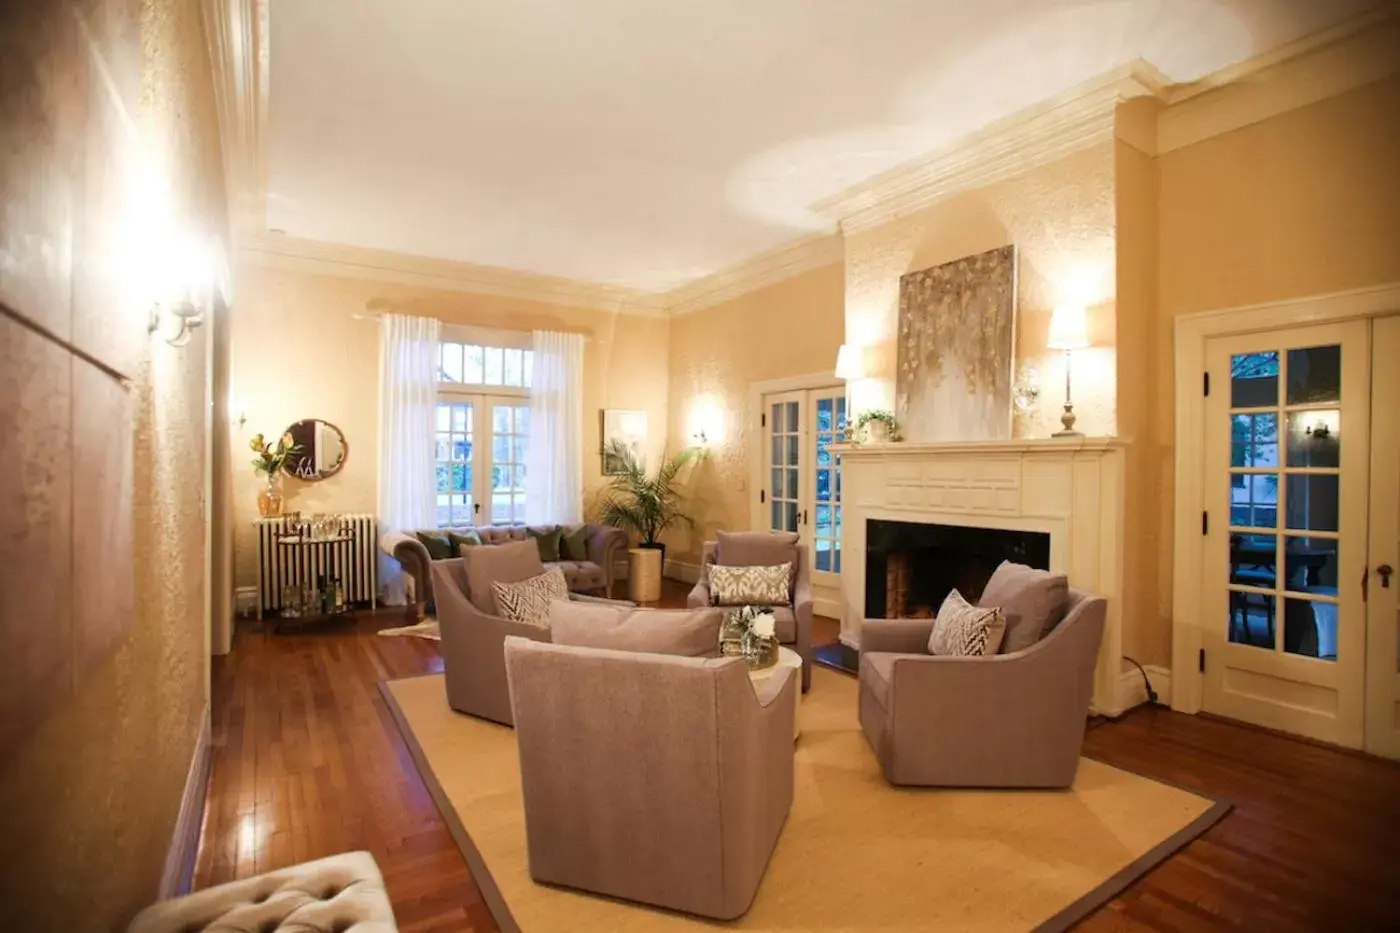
(911, 567)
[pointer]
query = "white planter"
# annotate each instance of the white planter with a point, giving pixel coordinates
(876, 432)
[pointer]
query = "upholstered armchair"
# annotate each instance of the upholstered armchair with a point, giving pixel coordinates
(472, 634)
(655, 778)
(765, 549)
(1011, 720)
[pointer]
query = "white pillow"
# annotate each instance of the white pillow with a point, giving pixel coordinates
(963, 630)
(750, 586)
(528, 601)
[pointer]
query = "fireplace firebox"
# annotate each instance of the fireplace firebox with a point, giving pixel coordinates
(911, 567)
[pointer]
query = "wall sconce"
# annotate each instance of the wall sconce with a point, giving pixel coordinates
(706, 421)
(1026, 391)
(190, 272)
(1069, 331)
(850, 362)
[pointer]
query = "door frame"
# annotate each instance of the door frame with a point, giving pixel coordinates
(1188, 440)
(826, 604)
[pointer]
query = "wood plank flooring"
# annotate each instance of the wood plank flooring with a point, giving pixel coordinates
(307, 763)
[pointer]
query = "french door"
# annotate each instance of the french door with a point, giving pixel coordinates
(1383, 585)
(480, 452)
(803, 475)
(1287, 464)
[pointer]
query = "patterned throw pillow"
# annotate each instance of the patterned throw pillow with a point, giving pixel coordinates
(749, 586)
(528, 601)
(963, 630)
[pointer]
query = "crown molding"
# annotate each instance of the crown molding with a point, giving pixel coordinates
(1035, 136)
(1348, 56)
(292, 253)
(767, 268)
(237, 32)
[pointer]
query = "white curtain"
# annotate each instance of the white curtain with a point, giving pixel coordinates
(408, 352)
(554, 450)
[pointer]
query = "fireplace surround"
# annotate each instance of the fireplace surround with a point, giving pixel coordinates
(1061, 498)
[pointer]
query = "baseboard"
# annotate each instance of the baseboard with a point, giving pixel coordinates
(682, 571)
(1132, 692)
(178, 876)
(245, 601)
(831, 608)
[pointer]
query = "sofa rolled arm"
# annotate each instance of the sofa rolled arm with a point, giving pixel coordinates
(605, 543)
(896, 636)
(699, 597)
(413, 558)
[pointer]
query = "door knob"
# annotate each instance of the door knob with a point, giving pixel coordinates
(1385, 570)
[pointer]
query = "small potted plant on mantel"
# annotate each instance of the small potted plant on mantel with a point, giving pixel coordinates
(876, 426)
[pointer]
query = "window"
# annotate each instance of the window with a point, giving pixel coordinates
(483, 423)
(471, 364)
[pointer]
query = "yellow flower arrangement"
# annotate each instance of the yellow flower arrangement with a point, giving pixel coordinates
(270, 457)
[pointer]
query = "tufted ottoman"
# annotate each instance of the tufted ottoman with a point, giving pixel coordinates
(340, 894)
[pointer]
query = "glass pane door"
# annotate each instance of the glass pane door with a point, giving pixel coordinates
(456, 452)
(1286, 444)
(785, 429)
(510, 426)
(828, 427)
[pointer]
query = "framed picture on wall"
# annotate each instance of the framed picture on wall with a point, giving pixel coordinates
(628, 428)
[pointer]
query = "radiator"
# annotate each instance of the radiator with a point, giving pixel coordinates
(353, 562)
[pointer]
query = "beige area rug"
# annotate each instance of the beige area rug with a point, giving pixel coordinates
(428, 629)
(855, 854)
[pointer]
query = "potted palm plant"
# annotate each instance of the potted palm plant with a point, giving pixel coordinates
(643, 505)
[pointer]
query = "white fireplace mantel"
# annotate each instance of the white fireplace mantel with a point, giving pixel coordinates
(1069, 488)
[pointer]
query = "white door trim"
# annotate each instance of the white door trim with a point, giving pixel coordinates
(1191, 333)
(756, 439)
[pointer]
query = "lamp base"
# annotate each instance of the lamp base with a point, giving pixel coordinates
(1068, 419)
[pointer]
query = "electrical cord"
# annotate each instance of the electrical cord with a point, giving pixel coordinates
(1151, 694)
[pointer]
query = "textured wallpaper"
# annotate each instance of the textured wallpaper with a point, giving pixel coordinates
(104, 514)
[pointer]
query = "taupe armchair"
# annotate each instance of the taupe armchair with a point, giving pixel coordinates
(756, 548)
(655, 778)
(1013, 720)
(472, 660)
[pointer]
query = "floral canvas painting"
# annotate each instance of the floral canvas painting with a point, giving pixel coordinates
(957, 339)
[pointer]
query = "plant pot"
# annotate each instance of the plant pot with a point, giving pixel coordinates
(656, 546)
(644, 574)
(877, 432)
(270, 500)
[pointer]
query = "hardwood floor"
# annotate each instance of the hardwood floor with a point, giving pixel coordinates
(307, 763)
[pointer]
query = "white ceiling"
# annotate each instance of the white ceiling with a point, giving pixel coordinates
(646, 143)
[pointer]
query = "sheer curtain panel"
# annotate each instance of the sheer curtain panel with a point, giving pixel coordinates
(554, 451)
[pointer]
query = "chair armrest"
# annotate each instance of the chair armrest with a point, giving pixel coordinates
(413, 558)
(699, 597)
(896, 636)
(771, 688)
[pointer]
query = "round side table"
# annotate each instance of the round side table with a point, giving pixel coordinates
(787, 660)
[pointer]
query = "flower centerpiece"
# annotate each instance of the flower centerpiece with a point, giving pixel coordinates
(269, 460)
(749, 632)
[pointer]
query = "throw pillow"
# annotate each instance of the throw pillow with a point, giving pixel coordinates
(692, 633)
(755, 548)
(547, 540)
(963, 630)
(574, 544)
(749, 586)
(1033, 602)
(438, 543)
(461, 539)
(488, 563)
(528, 601)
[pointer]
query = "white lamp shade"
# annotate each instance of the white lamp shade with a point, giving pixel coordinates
(1068, 329)
(850, 363)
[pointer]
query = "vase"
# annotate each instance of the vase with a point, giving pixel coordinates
(270, 499)
(759, 652)
(731, 635)
(877, 432)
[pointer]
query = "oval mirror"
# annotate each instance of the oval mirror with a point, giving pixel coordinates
(320, 450)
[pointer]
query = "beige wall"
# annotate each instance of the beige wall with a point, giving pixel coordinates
(792, 328)
(104, 673)
(1060, 217)
(1303, 203)
(299, 352)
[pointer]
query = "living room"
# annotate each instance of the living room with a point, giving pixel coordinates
(492, 321)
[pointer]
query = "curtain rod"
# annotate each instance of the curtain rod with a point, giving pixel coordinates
(368, 315)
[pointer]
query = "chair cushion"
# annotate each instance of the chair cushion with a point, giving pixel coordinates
(528, 600)
(755, 548)
(688, 632)
(343, 892)
(749, 585)
(876, 672)
(547, 539)
(503, 563)
(964, 630)
(580, 574)
(1033, 602)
